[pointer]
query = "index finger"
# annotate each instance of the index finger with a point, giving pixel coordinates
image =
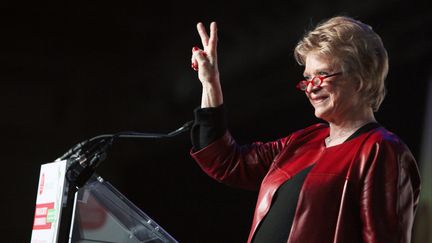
(203, 34)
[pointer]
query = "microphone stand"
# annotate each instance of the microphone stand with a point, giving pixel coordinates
(86, 156)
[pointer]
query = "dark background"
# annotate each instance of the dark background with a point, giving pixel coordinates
(76, 69)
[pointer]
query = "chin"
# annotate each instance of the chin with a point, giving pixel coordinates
(322, 110)
(321, 114)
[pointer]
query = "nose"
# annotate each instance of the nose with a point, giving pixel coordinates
(312, 88)
(309, 87)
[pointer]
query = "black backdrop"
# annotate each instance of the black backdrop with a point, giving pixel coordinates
(76, 69)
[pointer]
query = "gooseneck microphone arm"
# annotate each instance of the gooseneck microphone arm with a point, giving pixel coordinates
(85, 157)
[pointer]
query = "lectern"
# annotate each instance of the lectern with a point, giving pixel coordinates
(102, 214)
(76, 205)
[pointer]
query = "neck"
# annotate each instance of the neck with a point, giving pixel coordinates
(341, 130)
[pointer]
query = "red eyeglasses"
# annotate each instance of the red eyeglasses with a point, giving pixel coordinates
(316, 81)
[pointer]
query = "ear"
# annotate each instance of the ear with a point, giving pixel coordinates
(359, 83)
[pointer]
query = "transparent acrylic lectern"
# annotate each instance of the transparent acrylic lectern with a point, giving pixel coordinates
(102, 214)
(76, 205)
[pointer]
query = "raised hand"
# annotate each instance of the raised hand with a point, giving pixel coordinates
(205, 62)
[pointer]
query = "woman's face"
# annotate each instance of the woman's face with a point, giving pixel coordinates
(336, 99)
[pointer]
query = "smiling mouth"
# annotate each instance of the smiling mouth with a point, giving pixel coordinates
(319, 100)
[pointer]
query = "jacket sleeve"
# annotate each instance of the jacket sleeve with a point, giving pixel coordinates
(238, 166)
(390, 193)
(209, 125)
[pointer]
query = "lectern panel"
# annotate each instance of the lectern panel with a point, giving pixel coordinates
(102, 214)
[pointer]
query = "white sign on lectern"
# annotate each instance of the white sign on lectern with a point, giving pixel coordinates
(49, 202)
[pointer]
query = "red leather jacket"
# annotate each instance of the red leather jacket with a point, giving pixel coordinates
(363, 190)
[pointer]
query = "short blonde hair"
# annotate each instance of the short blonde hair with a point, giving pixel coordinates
(355, 48)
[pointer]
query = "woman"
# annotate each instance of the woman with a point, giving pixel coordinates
(346, 180)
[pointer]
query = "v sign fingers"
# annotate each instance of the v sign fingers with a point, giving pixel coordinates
(209, 43)
(205, 60)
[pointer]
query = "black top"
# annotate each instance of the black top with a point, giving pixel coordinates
(211, 124)
(276, 225)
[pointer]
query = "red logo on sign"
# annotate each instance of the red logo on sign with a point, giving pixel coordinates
(40, 219)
